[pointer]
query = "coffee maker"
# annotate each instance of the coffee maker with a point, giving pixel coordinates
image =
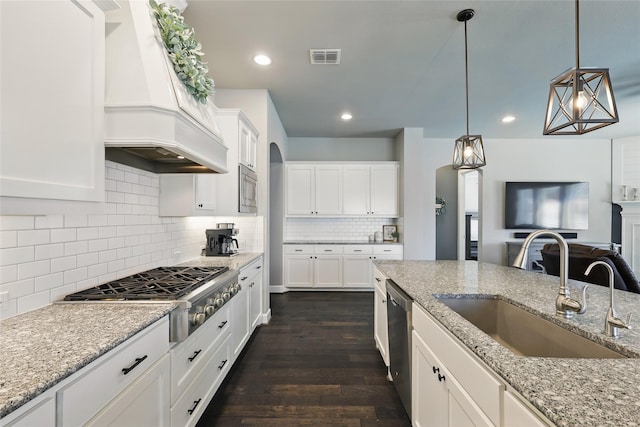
(221, 240)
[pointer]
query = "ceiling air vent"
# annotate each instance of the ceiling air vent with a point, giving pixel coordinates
(325, 56)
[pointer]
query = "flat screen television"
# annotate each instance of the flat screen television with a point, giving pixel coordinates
(549, 205)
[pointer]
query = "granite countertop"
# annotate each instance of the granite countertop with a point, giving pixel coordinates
(570, 392)
(337, 242)
(235, 262)
(40, 348)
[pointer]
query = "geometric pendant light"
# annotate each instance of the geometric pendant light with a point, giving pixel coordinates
(580, 99)
(468, 152)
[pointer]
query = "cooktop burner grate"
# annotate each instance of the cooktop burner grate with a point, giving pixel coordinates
(162, 283)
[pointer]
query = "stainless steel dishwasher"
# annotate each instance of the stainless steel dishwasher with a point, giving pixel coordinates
(399, 328)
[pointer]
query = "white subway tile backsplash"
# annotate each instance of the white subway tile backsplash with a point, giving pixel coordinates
(8, 239)
(33, 269)
(63, 235)
(10, 256)
(44, 258)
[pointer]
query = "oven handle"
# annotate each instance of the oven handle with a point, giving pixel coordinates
(138, 361)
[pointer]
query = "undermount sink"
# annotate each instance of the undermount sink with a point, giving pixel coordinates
(524, 333)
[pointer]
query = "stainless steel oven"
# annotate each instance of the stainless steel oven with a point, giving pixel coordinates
(248, 198)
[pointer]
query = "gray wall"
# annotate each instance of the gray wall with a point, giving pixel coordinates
(447, 223)
(340, 149)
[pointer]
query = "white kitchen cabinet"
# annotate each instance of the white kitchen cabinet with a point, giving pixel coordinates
(192, 355)
(188, 195)
(138, 404)
(248, 143)
(471, 391)
(342, 189)
(192, 403)
(313, 190)
(437, 398)
(380, 331)
(384, 190)
(333, 266)
(246, 305)
(371, 189)
(241, 138)
(40, 412)
(519, 414)
(113, 374)
(52, 119)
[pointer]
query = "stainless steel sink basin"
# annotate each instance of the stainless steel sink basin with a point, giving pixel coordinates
(524, 333)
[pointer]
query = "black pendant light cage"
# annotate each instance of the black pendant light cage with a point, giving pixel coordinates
(581, 99)
(468, 152)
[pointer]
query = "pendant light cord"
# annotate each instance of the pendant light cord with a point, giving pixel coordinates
(466, 73)
(577, 37)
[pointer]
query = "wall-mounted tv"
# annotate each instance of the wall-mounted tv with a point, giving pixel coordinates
(550, 205)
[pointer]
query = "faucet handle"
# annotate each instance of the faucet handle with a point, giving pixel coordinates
(583, 307)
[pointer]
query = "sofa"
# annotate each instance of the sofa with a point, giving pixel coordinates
(581, 256)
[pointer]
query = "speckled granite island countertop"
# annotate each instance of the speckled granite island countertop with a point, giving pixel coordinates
(570, 392)
(337, 242)
(40, 348)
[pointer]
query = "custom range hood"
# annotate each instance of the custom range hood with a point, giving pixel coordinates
(151, 120)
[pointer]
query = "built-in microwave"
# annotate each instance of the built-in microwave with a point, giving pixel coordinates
(248, 190)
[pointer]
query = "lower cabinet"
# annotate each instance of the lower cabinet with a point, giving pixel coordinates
(452, 387)
(139, 404)
(127, 367)
(333, 266)
(40, 412)
(380, 331)
(246, 307)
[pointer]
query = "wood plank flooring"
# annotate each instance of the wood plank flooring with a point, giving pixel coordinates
(314, 364)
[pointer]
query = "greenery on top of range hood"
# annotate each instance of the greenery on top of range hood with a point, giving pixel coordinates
(183, 50)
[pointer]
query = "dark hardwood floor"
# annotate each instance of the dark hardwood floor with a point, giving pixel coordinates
(314, 364)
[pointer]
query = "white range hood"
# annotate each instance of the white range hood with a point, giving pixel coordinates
(150, 118)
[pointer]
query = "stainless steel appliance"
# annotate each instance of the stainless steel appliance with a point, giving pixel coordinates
(198, 291)
(221, 241)
(399, 328)
(248, 185)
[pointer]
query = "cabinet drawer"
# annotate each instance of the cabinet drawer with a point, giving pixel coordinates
(189, 407)
(358, 249)
(379, 281)
(250, 271)
(109, 375)
(387, 250)
(298, 249)
(327, 249)
(480, 384)
(188, 358)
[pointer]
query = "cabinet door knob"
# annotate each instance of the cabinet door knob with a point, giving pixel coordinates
(435, 369)
(441, 377)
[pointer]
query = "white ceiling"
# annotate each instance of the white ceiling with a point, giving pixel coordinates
(403, 61)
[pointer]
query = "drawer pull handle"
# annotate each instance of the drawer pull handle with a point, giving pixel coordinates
(138, 361)
(224, 362)
(357, 250)
(387, 250)
(298, 250)
(221, 325)
(378, 279)
(193, 408)
(328, 250)
(259, 267)
(244, 278)
(195, 354)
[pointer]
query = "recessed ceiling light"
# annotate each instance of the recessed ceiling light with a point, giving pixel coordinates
(262, 59)
(181, 157)
(508, 119)
(346, 116)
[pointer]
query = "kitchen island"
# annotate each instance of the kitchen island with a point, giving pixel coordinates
(569, 392)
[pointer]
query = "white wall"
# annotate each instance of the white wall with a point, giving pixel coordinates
(43, 258)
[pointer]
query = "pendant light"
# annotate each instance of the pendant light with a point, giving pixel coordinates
(580, 99)
(469, 151)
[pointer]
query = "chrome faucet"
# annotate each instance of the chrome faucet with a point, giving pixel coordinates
(612, 324)
(565, 306)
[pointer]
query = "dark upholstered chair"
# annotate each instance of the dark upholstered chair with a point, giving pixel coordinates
(580, 256)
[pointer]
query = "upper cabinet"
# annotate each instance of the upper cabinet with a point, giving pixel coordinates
(51, 118)
(314, 189)
(248, 143)
(185, 194)
(625, 173)
(342, 189)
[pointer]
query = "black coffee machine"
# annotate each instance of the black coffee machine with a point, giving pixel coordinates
(221, 240)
